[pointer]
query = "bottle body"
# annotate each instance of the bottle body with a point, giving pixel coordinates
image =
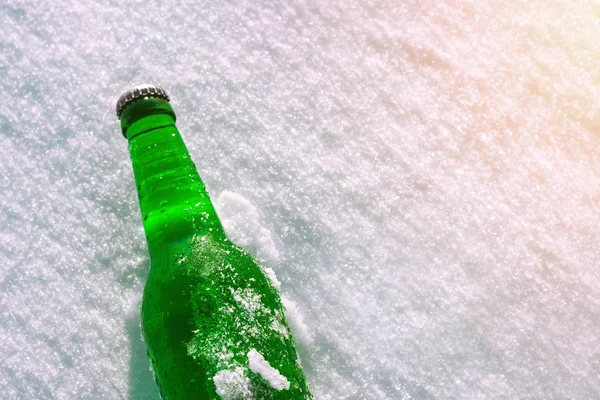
(213, 322)
(205, 314)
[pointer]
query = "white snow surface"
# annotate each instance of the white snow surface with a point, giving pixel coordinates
(259, 365)
(423, 178)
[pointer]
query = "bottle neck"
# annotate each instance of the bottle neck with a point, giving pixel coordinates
(173, 199)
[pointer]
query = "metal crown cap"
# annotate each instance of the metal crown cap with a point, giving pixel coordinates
(139, 92)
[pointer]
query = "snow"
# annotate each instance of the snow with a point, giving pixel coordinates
(259, 365)
(248, 298)
(233, 385)
(247, 228)
(298, 326)
(422, 178)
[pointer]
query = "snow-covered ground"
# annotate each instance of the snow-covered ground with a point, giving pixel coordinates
(423, 178)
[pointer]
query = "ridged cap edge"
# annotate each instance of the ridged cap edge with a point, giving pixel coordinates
(139, 92)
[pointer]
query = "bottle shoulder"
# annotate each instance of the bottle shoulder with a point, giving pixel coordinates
(210, 260)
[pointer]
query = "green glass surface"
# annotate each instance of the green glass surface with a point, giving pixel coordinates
(208, 307)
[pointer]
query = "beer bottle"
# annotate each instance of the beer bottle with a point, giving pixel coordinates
(212, 320)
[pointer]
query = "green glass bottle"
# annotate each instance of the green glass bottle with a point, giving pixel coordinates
(212, 321)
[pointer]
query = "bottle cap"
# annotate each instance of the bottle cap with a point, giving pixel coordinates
(139, 92)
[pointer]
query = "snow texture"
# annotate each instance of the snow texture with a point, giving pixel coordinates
(233, 385)
(423, 178)
(259, 365)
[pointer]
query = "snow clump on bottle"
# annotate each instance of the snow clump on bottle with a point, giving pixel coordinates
(233, 384)
(260, 366)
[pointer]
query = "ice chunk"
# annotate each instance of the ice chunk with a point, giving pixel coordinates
(260, 366)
